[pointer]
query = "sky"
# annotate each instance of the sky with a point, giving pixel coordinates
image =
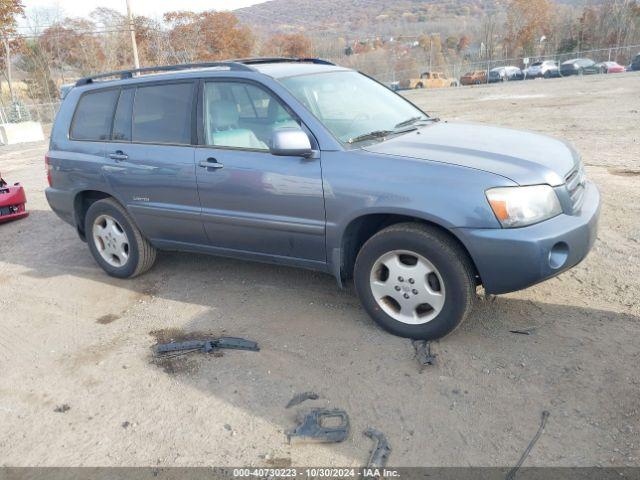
(149, 8)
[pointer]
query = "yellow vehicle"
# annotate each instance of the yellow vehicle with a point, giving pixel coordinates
(432, 80)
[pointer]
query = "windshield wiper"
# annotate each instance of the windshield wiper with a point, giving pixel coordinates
(412, 120)
(371, 135)
(409, 121)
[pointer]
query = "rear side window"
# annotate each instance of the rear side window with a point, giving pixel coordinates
(92, 119)
(162, 114)
(122, 117)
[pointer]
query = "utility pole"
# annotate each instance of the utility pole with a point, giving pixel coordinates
(7, 61)
(134, 45)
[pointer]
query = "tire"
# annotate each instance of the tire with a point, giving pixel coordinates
(547, 74)
(420, 85)
(139, 255)
(451, 281)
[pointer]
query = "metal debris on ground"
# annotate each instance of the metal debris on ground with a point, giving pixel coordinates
(423, 353)
(313, 426)
(301, 397)
(381, 448)
(512, 473)
(523, 331)
(209, 345)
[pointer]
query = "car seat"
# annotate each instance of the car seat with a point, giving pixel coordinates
(223, 129)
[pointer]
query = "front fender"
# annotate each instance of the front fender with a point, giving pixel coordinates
(359, 183)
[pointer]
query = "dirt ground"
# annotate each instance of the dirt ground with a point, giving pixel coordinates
(70, 335)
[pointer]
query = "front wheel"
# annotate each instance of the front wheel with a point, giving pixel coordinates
(415, 281)
(115, 242)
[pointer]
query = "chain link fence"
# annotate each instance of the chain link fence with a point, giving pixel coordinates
(401, 64)
(19, 111)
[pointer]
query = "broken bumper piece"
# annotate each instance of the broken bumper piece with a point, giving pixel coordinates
(12, 202)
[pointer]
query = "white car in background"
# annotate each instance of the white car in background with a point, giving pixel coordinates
(543, 68)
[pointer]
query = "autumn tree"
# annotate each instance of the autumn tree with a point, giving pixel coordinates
(72, 43)
(288, 45)
(527, 22)
(9, 10)
(207, 36)
(35, 62)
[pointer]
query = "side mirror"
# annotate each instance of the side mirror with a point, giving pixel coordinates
(290, 142)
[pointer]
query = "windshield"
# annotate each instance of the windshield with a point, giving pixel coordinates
(352, 106)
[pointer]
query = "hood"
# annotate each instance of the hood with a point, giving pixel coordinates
(523, 157)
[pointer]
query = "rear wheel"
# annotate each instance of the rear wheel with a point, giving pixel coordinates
(115, 242)
(414, 281)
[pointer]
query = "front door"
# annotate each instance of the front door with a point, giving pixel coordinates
(253, 201)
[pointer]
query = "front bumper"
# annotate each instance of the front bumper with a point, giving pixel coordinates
(511, 259)
(12, 203)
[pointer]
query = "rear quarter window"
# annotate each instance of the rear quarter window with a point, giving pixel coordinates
(93, 116)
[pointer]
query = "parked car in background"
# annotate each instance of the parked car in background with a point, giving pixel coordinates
(635, 64)
(503, 74)
(395, 86)
(309, 164)
(610, 67)
(474, 78)
(542, 68)
(432, 80)
(578, 66)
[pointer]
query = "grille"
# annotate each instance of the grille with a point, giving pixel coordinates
(575, 186)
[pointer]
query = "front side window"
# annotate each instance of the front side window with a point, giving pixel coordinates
(92, 119)
(162, 114)
(242, 115)
(352, 105)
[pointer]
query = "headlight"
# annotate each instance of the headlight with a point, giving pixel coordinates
(521, 206)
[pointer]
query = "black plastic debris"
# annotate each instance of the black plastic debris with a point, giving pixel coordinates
(381, 448)
(208, 345)
(301, 397)
(313, 427)
(543, 422)
(423, 353)
(523, 331)
(64, 408)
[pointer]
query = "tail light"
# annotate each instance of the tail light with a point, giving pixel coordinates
(48, 167)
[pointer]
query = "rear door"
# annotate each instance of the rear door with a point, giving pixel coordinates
(150, 160)
(252, 201)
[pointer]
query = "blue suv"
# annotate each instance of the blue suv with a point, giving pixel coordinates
(304, 163)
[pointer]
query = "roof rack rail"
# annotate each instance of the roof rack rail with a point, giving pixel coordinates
(261, 60)
(124, 74)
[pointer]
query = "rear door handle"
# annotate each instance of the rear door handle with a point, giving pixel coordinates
(118, 156)
(211, 163)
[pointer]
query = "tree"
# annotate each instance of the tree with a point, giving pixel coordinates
(288, 45)
(9, 10)
(527, 22)
(72, 43)
(208, 36)
(464, 43)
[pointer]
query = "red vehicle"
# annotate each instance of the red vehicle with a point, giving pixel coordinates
(12, 202)
(610, 67)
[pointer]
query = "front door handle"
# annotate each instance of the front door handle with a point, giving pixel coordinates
(118, 156)
(211, 163)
